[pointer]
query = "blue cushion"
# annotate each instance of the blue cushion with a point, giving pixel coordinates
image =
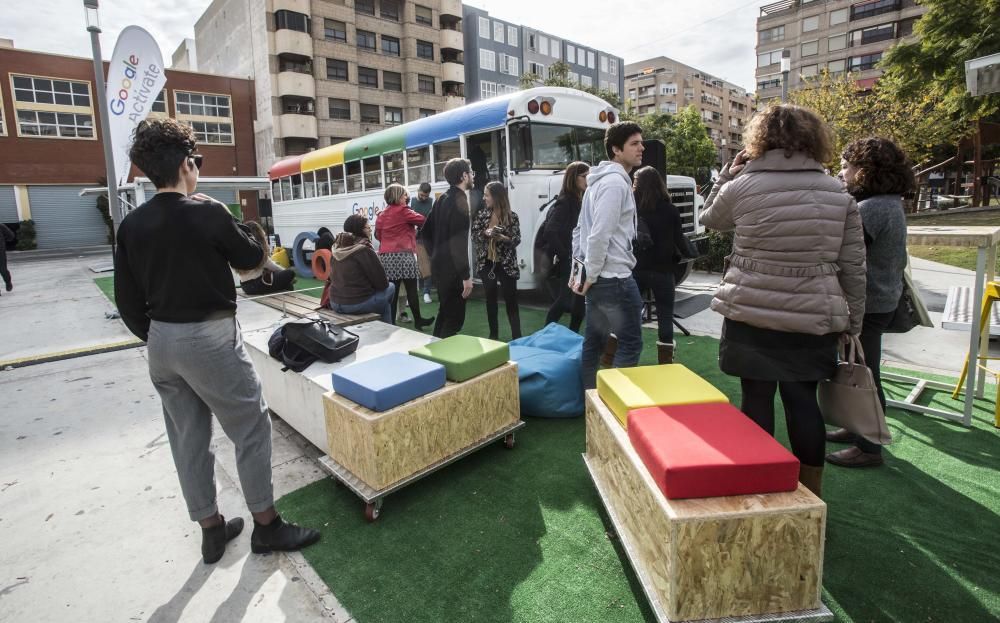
(548, 370)
(388, 381)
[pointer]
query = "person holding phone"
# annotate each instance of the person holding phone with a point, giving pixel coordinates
(496, 233)
(175, 291)
(795, 282)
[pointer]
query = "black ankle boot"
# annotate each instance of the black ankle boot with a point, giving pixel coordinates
(214, 539)
(280, 536)
(424, 322)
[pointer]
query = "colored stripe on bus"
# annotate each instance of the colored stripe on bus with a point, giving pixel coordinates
(322, 158)
(286, 166)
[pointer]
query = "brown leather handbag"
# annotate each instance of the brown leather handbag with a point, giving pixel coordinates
(850, 399)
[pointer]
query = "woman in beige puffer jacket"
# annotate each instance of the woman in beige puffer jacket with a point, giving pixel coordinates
(795, 281)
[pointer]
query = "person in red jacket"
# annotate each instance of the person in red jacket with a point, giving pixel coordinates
(396, 231)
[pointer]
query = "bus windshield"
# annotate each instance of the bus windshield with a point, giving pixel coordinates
(551, 146)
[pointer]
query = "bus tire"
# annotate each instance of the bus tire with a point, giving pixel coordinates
(321, 264)
(302, 266)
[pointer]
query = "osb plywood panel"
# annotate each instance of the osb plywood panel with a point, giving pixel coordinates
(384, 448)
(645, 518)
(713, 557)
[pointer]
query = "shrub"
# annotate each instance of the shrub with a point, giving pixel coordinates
(720, 245)
(26, 236)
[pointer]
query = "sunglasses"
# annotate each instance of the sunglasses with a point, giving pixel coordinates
(198, 159)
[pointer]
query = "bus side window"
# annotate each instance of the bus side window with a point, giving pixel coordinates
(418, 166)
(309, 184)
(286, 189)
(443, 152)
(276, 190)
(296, 187)
(337, 179)
(394, 168)
(354, 176)
(322, 182)
(373, 172)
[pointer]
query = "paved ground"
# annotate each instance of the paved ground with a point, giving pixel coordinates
(94, 527)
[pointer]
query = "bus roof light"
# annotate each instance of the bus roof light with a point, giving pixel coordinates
(546, 107)
(533, 107)
(611, 116)
(603, 116)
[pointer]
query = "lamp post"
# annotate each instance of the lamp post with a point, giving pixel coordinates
(94, 28)
(786, 66)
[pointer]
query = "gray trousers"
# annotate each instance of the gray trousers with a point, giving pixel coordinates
(201, 368)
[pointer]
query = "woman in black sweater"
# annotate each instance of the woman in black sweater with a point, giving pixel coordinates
(558, 238)
(657, 250)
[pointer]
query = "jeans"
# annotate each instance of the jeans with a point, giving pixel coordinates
(500, 281)
(613, 306)
(378, 303)
(565, 299)
(662, 286)
(425, 285)
(872, 328)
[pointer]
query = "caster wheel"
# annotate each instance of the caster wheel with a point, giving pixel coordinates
(372, 511)
(508, 441)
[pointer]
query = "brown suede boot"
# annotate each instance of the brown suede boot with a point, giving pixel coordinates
(812, 478)
(610, 348)
(664, 352)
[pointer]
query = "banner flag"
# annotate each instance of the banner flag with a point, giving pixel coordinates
(135, 78)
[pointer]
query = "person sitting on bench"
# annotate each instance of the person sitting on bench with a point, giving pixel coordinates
(358, 283)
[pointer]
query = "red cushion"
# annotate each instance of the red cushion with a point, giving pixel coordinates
(709, 450)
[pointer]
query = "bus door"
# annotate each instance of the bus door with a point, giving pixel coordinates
(487, 152)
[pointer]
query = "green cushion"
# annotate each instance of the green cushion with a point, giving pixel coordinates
(464, 356)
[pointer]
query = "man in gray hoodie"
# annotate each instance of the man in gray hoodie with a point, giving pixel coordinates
(602, 240)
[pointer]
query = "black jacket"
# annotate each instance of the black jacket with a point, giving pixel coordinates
(559, 227)
(669, 243)
(446, 235)
(173, 259)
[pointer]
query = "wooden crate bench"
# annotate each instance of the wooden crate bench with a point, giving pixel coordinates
(302, 306)
(709, 558)
(383, 448)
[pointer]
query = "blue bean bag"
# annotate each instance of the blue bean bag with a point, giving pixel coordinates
(548, 370)
(303, 265)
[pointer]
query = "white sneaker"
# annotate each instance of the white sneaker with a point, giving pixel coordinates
(404, 317)
(427, 297)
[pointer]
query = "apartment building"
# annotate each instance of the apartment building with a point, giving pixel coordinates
(834, 35)
(51, 146)
(664, 85)
(500, 52)
(330, 71)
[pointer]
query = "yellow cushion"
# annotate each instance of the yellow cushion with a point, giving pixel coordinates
(280, 257)
(625, 389)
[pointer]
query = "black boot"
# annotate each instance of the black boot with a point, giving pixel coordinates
(420, 323)
(280, 536)
(214, 539)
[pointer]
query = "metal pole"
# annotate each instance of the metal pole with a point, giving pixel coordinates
(784, 87)
(102, 107)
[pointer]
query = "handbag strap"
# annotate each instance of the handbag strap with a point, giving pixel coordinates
(851, 353)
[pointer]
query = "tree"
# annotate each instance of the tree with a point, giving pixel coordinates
(917, 123)
(559, 77)
(950, 33)
(690, 150)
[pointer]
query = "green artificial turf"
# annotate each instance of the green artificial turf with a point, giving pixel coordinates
(521, 536)
(107, 286)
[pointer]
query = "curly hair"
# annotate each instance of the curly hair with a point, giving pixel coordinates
(159, 147)
(789, 127)
(883, 168)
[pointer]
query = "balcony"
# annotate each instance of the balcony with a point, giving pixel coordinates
(451, 8)
(453, 101)
(451, 40)
(293, 42)
(294, 83)
(299, 6)
(452, 72)
(298, 126)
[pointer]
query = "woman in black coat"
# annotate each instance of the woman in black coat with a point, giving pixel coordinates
(558, 238)
(658, 248)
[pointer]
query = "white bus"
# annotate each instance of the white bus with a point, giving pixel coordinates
(524, 140)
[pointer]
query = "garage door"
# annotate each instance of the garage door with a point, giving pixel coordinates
(65, 219)
(8, 205)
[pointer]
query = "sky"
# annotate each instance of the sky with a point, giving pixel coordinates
(715, 36)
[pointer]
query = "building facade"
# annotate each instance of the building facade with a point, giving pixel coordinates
(326, 72)
(837, 36)
(51, 148)
(500, 52)
(664, 85)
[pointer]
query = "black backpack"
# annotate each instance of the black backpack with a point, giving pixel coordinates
(299, 343)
